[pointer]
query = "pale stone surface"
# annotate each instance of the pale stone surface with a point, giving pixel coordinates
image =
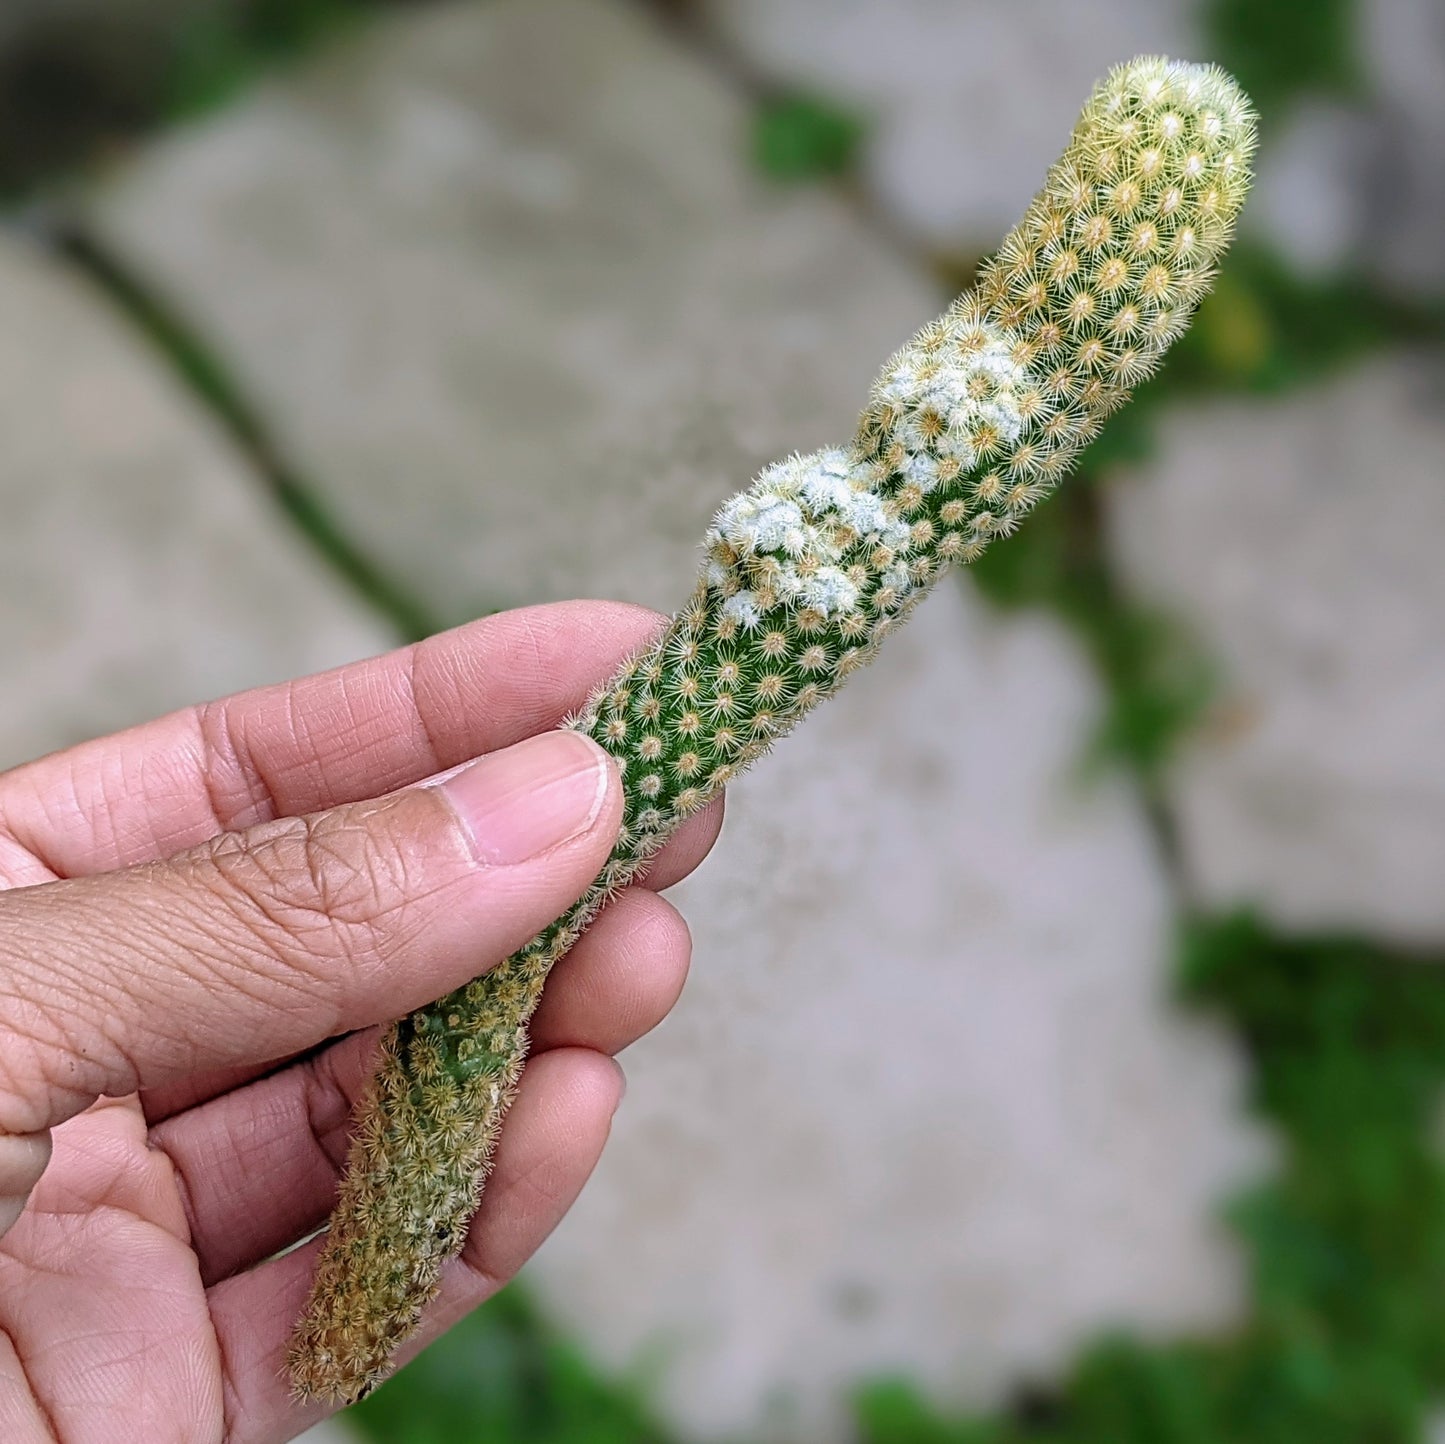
(1301, 536)
(1404, 191)
(141, 565)
(505, 285)
(1308, 200)
(501, 269)
(923, 1106)
(970, 101)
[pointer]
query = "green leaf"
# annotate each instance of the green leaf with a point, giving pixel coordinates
(799, 137)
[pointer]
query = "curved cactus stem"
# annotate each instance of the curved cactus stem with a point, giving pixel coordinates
(804, 575)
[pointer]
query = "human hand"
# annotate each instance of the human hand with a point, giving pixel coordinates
(191, 909)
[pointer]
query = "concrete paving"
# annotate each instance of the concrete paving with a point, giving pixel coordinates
(1300, 537)
(967, 103)
(143, 566)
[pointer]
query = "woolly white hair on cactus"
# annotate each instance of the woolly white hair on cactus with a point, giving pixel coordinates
(972, 423)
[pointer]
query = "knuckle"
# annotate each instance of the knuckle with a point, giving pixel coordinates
(329, 883)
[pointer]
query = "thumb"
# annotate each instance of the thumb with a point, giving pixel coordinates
(264, 942)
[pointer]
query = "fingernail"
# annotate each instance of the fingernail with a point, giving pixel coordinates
(534, 796)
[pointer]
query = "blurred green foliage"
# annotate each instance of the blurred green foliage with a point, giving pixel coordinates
(504, 1377)
(799, 136)
(220, 48)
(1280, 50)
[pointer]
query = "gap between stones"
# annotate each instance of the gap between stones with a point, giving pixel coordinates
(204, 374)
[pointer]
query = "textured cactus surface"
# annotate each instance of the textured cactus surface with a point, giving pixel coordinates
(804, 575)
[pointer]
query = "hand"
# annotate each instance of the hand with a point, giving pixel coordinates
(193, 908)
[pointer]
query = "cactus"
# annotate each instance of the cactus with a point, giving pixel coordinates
(804, 575)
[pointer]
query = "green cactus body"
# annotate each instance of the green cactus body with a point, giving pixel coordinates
(804, 575)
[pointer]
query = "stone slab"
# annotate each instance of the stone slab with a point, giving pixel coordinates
(1301, 538)
(504, 268)
(969, 102)
(142, 567)
(1403, 190)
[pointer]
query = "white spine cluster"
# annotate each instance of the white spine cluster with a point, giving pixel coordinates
(832, 533)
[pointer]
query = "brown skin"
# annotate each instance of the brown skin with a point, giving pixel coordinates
(189, 911)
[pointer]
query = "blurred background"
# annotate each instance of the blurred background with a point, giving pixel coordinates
(1068, 1071)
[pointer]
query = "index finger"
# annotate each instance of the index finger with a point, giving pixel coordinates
(298, 747)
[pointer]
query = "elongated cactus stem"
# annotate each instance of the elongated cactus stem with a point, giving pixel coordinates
(804, 575)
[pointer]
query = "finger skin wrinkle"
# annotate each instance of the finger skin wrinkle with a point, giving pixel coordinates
(90, 789)
(529, 1183)
(284, 743)
(215, 961)
(518, 1194)
(71, 1034)
(35, 1091)
(522, 651)
(357, 878)
(231, 1396)
(19, 866)
(29, 1101)
(45, 1072)
(235, 790)
(307, 879)
(34, 853)
(313, 1121)
(417, 657)
(356, 708)
(485, 1282)
(232, 921)
(44, 1429)
(295, 752)
(180, 1182)
(28, 1105)
(260, 959)
(434, 691)
(329, 888)
(326, 1104)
